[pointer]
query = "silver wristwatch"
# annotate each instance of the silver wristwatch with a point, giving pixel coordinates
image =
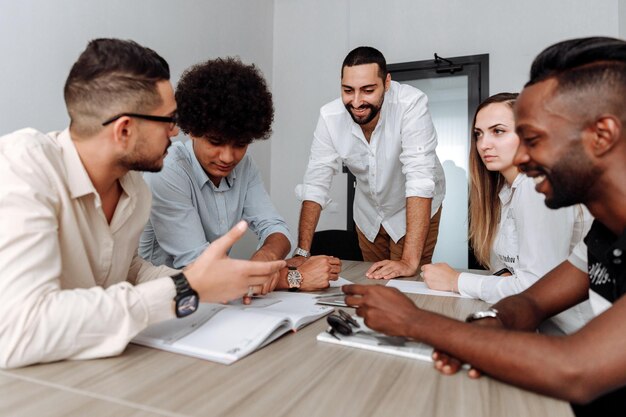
(301, 252)
(479, 315)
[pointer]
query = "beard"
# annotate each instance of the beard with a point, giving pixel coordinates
(571, 179)
(374, 110)
(139, 159)
(142, 164)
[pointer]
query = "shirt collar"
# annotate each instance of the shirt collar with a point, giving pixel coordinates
(78, 180)
(200, 174)
(506, 193)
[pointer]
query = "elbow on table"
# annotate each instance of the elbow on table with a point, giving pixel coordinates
(10, 357)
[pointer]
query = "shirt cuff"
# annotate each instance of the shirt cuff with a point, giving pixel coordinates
(470, 285)
(157, 296)
(578, 258)
(420, 188)
(311, 193)
(274, 229)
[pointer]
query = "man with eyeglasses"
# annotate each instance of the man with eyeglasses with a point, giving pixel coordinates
(209, 183)
(72, 285)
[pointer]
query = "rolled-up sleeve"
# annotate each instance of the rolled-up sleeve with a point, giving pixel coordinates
(324, 162)
(418, 157)
(578, 257)
(174, 218)
(258, 209)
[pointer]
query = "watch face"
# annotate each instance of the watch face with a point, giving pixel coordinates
(186, 305)
(294, 279)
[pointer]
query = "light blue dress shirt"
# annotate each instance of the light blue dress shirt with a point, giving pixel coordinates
(189, 211)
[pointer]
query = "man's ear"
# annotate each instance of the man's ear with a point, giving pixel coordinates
(606, 133)
(123, 129)
(387, 81)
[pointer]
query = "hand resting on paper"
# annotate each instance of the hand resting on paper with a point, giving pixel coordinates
(440, 276)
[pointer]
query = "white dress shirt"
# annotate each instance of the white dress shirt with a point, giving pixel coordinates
(531, 240)
(398, 162)
(71, 285)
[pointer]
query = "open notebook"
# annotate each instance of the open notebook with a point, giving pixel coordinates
(368, 339)
(225, 333)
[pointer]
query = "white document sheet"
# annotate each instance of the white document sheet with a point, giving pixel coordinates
(340, 281)
(418, 287)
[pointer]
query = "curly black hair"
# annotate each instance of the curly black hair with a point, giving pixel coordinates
(225, 99)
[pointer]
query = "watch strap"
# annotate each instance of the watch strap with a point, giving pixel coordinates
(186, 299)
(301, 252)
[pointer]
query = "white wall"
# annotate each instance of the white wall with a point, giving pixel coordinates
(298, 44)
(311, 38)
(622, 18)
(41, 39)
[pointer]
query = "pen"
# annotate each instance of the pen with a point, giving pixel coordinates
(502, 271)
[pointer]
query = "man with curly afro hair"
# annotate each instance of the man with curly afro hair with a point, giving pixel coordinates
(73, 205)
(209, 183)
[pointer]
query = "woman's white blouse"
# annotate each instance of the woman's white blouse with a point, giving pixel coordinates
(531, 240)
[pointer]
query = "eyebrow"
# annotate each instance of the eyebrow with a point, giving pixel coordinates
(496, 125)
(363, 86)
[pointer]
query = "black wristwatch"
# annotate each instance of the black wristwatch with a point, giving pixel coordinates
(186, 298)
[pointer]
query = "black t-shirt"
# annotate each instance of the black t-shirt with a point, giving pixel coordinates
(606, 262)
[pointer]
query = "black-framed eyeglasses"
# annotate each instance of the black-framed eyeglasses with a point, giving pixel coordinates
(165, 119)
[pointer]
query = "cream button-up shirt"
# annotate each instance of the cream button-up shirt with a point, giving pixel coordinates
(71, 284)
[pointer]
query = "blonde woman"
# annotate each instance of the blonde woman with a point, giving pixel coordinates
(511, 230)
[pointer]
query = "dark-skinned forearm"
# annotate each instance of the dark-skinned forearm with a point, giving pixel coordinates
(561, 288)
(526, 359)
(519, 312)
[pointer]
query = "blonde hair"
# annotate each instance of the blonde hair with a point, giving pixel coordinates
(484, 187)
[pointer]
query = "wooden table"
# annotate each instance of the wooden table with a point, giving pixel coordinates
(294, 376)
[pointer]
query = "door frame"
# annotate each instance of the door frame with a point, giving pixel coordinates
(475, 67)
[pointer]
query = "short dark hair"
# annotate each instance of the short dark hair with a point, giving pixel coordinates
(570, 54)
(593, 67)
(366, 55)
(225, 99)
(112, 76)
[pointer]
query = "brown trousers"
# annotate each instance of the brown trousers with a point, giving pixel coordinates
(383, 247)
